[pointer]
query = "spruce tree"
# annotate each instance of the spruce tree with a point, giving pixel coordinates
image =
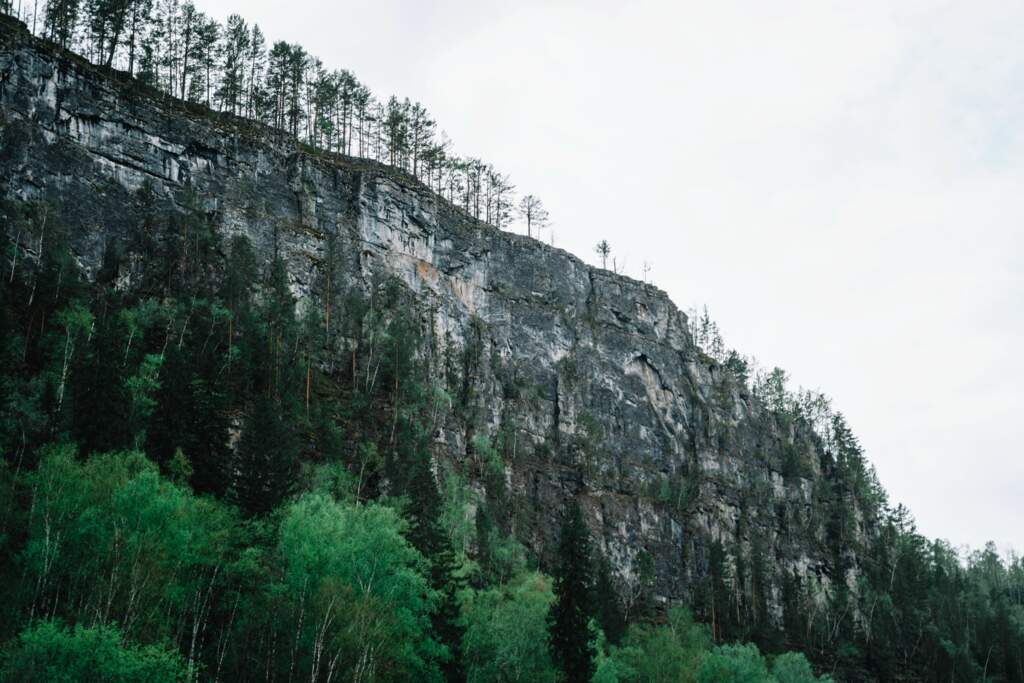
(428, 536)
(609, 608)
(569, 620)
(267, 459)
(98, 388)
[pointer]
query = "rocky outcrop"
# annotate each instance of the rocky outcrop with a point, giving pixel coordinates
(595, 375)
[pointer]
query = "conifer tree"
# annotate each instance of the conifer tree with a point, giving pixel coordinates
(98, 387)
(421, 132)
(60, 20)
(603, 250)
(191, 415)
(140, 14)
(266, 462)
(235, 50)
(501, 189)
(256, 58)
(609, 609)
(429, 538)
(531, 210)
(569, 620)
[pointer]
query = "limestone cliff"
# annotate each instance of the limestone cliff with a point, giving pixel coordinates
(594, 375)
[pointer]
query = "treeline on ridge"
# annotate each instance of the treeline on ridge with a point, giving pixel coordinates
(233, 68)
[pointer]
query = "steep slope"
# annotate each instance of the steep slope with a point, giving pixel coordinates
(592, 380)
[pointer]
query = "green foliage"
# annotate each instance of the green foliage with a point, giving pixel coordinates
(738, 366)
(611, 669)
(506, 635)
(793, 667)
(179, 469)
(48, 651)
(356, 591)
(141, 388)
(771, 388)
(733, 664)
(574, 608)
(457, 518)
(499, 554)
(662, 654)
(489, 459)
(108, 539)
(706, 334)
(745, 664)
(680, 651)
(330, 479)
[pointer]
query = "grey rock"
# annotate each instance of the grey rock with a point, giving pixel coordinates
(596, 374)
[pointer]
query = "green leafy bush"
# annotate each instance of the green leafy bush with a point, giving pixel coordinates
(48, 651)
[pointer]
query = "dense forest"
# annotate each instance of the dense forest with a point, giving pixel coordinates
(145, 539)
(203, 479)
(194, 488)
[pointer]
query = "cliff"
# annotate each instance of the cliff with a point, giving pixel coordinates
(592, 378)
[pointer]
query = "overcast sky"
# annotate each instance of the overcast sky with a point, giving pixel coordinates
(842, 183)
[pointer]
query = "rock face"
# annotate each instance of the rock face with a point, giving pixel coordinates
(594, 375)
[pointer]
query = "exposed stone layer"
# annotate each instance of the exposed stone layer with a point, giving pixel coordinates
(595, 375)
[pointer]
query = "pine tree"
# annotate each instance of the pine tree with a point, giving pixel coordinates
(531, 210)
(61, 17)
(569, 620)
(236, 47)
(396, 130)
(603, 250)
(207, 49)
(502, 189)
(140, 14)
(256, 58)
(421, 132)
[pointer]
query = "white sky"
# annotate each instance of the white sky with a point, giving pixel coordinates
(841, 182)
